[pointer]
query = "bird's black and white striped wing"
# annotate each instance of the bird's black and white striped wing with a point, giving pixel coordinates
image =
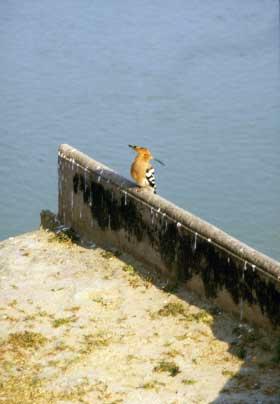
(150, 178)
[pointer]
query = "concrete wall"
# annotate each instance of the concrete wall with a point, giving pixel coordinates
(105, 207)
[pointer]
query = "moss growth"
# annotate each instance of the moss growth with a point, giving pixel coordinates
(24, 389)
(38, 315)
(189, 381)
(102, 301)
(167, 366)
(152, 385)
(59, 237)
(173, 353)
(73, 309)
(13, 303)
(135, 282)
(29, 389)
(200, 317)
(65, 235)
(93, 341)
(129, 269)
(62, 346)
(26, 339)
(228, 373)
(178, 309)
(172, 309)
(63, 321)
(182, 337)
(107, 255)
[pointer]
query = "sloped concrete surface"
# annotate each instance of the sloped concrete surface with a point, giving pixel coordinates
(85, 325)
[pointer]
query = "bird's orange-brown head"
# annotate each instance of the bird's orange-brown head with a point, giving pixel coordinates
(143, 152)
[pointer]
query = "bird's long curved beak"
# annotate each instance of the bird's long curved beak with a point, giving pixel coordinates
(160, 162)
(130, 145)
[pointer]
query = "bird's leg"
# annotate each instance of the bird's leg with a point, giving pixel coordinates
(136, 188)
(144, 189)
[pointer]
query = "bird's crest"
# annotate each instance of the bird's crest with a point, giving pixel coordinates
(145, 152)
(142, 151)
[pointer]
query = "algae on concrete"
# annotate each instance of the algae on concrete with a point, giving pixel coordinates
(87, 325)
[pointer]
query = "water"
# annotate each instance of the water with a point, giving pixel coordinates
(197, 82)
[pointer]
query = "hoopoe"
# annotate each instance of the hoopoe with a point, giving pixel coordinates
(141, 169)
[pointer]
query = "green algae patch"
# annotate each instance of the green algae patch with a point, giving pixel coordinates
(172, 309)
(25, 389)
(177, 308)
(129, 269)
(173, 353)
(136, 280)
(91, 342)
(228, 373)
(201, 316)
(65, 235)
(189, 381)
(99, 344)
(26, 339)
(167, 366)
(59, 322)
(107, 255)
(152, 385)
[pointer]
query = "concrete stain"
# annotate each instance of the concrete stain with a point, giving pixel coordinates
(124, 214)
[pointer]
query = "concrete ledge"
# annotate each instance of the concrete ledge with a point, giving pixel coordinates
(100, 204)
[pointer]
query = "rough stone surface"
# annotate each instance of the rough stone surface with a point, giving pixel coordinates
(84, 324)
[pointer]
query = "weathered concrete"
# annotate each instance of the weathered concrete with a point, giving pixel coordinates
(86, 325)
(101, 205)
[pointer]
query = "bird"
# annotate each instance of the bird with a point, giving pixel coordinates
(141, 169)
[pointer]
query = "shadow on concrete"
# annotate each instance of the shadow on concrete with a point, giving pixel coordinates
(258, 350)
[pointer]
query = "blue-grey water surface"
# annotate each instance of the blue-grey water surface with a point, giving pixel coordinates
(196, 81)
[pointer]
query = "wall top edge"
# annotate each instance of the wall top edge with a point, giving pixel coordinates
(181, 216)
